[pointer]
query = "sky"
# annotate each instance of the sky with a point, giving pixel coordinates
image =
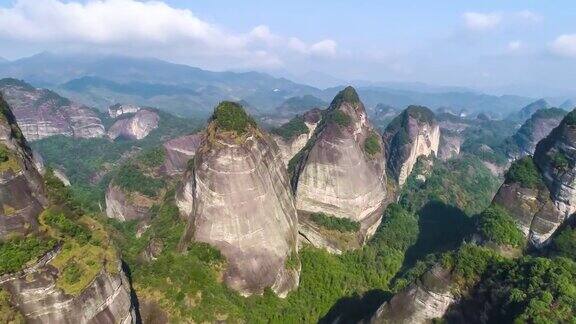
(522, 47)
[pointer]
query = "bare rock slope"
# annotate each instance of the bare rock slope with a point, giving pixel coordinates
(341, 170)
(237, 198)
(135, 127)
(293, 136)
(41, 113)
(412, 134)
(179, 151)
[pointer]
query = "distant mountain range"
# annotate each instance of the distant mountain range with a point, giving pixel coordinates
(101, 81)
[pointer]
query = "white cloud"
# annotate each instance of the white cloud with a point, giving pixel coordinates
(515, 46)
(529, 16)
(565, 45)
(132, 26)
(481, 21)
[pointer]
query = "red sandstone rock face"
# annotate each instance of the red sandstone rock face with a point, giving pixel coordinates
(41, 113)
(136, 127)
(237, 198)
(179, 151)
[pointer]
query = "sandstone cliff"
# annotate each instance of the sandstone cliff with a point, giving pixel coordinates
(412, 134)
(179, 151)
(135, 127)
(293, 136)
(341, 170)
(41, 113)
(541, 123)
(126, 206)
(237, 198)
(118, 110)
(422, 301)
(21, 186)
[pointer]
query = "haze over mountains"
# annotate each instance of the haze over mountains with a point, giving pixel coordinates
(102, 80)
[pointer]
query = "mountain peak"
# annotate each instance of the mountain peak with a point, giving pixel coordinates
(231, 116)
(348, 95)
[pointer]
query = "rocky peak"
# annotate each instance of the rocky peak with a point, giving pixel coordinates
(237, 198)
(530, 109)
(292, 136)
(21, 186)
(413, 133)
(118, 110)
(340, 171)
(42, 113)
(135, 127)
(540, 124)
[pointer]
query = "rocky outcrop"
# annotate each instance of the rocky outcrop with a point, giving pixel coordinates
(422, 301)
(526, 112)
(237, 198)
(126, 206)
(179, 151)
(293, 136)
(450, 143)
(413, 134)
(341, 170)
(536, 128)
(105, 300)
(135, 127)
(41, 113)
(118, 110)
(22, 195)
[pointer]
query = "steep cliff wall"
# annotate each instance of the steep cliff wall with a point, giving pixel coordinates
(136, 127)
(341, 170)
(179, 151)
(41, 113)
(118, 110)
(293, 136)
(237, 198)
(412, 134)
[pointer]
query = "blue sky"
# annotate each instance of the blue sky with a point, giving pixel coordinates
(501, 46)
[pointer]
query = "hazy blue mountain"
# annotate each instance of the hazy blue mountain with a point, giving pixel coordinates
(567, 105)
(526, 112)
(99, 81)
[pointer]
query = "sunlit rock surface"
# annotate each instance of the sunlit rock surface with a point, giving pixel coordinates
(41, 113)
(335, 174)
(179, 151)
(289, 147)
(413, 134)
(135, 127)
(237, 198)
(126, 206)
(118, 110)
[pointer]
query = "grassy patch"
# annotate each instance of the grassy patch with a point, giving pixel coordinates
(7, 160)
(131, 179)
(335, 223)
(16, 253)
(296, 126)
(340, 118)
(371, 144)
(230, 116)
(524, 172)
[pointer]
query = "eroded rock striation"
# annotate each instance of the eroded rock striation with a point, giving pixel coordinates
(422, 301)
(179, 151)
(293, 136)
(341, 170)
(535, 129)
(135, 127)
(41, 113)
(22, 194)
(237, 198)
(412, 134)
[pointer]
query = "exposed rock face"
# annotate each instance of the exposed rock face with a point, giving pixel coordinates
(118, 110)
(125, 206)
(533, 130)
(21, 186)
(335, 174)
(413, 134)
(179, 151)
(421, 302)
(450, 144)
(290, 146)
(42, 113)
(105, 300)
(237, 198)
(136, 127)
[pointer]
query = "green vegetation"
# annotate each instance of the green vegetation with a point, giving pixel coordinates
(496, 225)
(8, 313)
(371, 144)
(296, 126)
(570, 119)
(7, 160)
(331, 222)
(340, 118)
(230, 116)
(131, 179)
(565, 243)
(4, 154)
(15, 253)
(72, 273)
(57, 220)
(525, 173)
(152, 157)
(301, 104)
(348, 95)
(560, 161)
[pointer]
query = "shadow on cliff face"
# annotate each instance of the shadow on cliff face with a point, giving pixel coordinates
(441, 228)
(133, 296)
(356, 308)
